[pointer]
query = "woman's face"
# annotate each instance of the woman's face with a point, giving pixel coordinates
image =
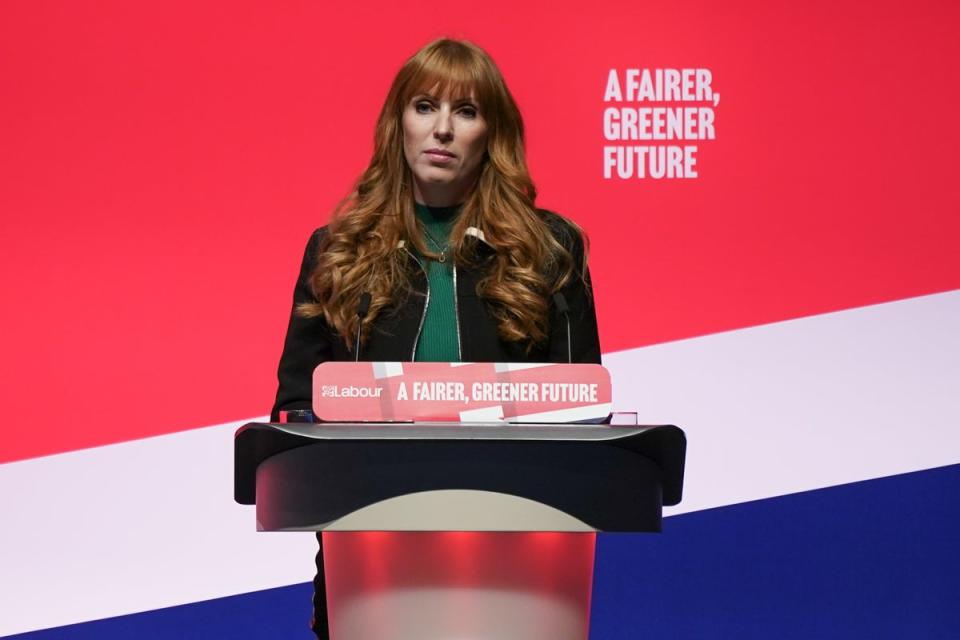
(444, 141)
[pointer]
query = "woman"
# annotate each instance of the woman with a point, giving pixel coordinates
(442, 242)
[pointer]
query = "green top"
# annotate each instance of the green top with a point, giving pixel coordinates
(438, 338)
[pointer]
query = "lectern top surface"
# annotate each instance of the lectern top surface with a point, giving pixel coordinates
(460, 431)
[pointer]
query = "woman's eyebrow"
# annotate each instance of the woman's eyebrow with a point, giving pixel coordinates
(457, 101)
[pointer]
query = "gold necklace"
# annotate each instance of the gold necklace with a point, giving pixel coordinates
(436, 245)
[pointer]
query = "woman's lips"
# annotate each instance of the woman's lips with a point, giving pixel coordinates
(439, 155)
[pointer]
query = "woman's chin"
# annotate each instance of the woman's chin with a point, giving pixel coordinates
(438, 176)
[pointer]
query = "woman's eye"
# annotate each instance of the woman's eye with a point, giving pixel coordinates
(469, 112)
(423, 107)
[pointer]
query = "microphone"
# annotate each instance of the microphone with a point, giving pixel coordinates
(363, 308)
(560, 302)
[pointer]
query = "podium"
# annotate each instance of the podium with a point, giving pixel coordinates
(491, 526)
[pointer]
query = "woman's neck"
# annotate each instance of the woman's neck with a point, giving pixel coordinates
(442, 195)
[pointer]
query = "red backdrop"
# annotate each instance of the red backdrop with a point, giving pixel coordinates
(162, 166)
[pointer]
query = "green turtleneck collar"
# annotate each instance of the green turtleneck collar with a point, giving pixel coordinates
(437, 215)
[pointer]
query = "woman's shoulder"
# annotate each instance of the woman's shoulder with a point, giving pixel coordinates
(319, 234)
(566, 231)
(311, 253)
(316, 240)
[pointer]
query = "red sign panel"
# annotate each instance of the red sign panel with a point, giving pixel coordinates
(460, 392)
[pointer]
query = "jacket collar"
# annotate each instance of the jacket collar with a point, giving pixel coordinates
(470, 232)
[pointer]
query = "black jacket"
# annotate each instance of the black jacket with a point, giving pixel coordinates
(392, 337)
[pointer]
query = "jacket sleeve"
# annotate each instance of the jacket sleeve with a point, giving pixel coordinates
(309, 342)
(584, 336)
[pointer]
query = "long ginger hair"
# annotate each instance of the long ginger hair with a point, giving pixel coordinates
(361, 250)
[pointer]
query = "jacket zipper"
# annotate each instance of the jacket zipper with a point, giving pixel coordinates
(426, 303)
(456, 313)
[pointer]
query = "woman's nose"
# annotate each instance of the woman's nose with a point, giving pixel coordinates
(443, 130)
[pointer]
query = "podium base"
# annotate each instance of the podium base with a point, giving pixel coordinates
(458, 585)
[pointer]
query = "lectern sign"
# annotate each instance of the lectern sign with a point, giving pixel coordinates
(460, 392)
